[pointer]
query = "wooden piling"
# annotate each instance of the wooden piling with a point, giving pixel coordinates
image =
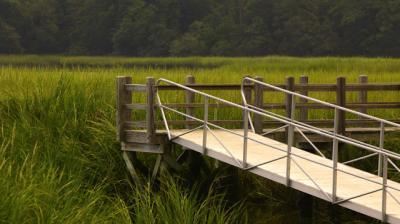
(150, 106)
(189, 99)
(341, 101)
(362, 95)
(303, 110)
(123, 97)
(258, 102)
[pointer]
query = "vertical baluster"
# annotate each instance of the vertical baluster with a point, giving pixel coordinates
(205, 125)
(335, 154)
(247, 92)
(384, 183)
(290, 139)
(381, 141)
(245, 130)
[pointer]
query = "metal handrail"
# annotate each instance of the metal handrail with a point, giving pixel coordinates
(384, 154)
(318, 101)
(354, 142)
(298, 124)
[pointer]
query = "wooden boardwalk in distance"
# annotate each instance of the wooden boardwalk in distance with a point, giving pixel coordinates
(266, 143)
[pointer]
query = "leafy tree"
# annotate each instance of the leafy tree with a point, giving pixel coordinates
(192, 42)
(147, 29)
(386, 40)
(201, 27)
(38, 29)
(9, 39)
(94, 22)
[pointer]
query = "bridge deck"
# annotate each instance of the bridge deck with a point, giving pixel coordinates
(311, 178)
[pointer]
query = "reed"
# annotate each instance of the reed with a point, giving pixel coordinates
(60, 162)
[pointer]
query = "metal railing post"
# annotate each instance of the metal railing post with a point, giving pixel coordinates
(290, 139)
(384, 185)
(335, 152)
(245, 136)
(205, 126)
(381, 142)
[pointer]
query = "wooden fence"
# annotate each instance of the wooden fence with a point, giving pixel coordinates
(254, 93)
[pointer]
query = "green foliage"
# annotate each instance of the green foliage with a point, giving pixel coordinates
(173, 204)
(91, 25)
(60, 162)
(191, 43)
(50, 157)
(9, 39)
(147, 29)
(201, 27)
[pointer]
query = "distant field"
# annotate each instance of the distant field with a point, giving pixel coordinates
(59, 161)
(16, 71)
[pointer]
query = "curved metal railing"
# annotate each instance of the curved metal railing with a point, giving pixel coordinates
(291, 124)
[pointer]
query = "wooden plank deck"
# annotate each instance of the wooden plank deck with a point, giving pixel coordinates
(347, 185)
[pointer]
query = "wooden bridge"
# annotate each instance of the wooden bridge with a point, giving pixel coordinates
(267, 143)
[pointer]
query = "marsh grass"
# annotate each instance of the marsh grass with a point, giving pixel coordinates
(174, 204)
(60, 162)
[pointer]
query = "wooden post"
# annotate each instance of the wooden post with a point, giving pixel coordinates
(363, 94)
(123, 97)
(258, 102)
(303, 110)
(193, 158)
(288, 100)
(247, 94)
(150, 117)
(341, 101)
(189, 98)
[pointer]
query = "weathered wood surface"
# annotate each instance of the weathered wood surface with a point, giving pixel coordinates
(124, 97)
(297, 87)
(370, 105)
(362, 95)
(150, 110)
(151, 140)
(362, 134)
(303, 110)
(360, 129)
(254, 94)
(189, 99)
(348, 185)
(258, 102)
(351, 123)
(341, 101)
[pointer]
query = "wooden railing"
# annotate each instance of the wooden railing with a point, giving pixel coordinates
(255, 95)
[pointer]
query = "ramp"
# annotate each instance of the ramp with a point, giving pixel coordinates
(374, 195)
(357, 190)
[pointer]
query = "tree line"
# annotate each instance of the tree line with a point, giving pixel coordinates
(201, 27)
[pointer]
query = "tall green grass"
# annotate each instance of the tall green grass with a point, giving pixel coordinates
(60, 162)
